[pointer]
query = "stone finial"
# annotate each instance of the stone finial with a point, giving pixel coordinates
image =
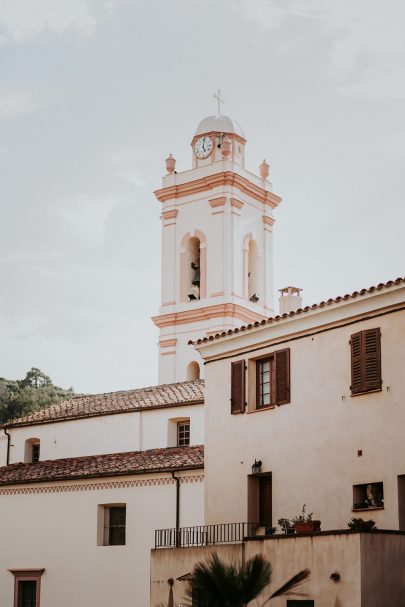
(170, 164)
(264, 169)
(226, 148)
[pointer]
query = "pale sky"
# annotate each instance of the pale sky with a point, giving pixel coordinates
(94, 94)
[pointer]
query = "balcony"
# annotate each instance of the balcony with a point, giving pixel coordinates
(204, 535)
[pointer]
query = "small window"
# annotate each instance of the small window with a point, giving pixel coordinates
(112, 524)
(273, 379)
(300, 603)
(27, 587)
(35, 452)
(368, 495)
(32, 450)
(183, 434)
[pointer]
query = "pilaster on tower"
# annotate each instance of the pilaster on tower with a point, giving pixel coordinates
(217, 246)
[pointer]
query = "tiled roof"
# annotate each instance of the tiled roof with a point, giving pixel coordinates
(266, 321)
(112, 464)
(154, 397)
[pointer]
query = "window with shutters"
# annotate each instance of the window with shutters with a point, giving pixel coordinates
(111, 525)
(273, 379)
(366, 361)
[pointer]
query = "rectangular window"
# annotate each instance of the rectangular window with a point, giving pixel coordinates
(265, 382)
(111, 525)
(27, 587)
(368, 495)
(183, 434)
(366, 361)
(35, 452)
(273, 379)
(300, 603)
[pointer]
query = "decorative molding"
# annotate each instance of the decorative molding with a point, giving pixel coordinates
(229, 136)
(218, 294)
(217, 202)
(268, 222)
(169, 303)
(166, 343)
(224, 178)
(3, 437)
(201, 314)
(237, 204)
(52, 488)
(169, 217)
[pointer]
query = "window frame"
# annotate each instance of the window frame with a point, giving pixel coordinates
(362, 358)
(360, 491)
(104, 527)
(187, 433)
(27, 575)
(35, 452)
(259, 384)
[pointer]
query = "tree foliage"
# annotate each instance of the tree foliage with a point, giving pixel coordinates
(219, 584)
(23, 396)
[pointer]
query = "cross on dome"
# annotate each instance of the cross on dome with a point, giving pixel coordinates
(218, 97)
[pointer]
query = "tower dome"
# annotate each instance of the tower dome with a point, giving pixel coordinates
(219, 124)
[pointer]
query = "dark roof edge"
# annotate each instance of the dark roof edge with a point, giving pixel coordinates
(66, 418)
(108, 474)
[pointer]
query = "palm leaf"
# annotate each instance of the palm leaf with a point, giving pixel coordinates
(292, 584)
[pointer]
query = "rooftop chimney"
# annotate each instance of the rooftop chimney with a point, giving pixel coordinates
(290, 299)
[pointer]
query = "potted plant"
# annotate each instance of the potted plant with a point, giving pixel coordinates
(304, 523)
(359, 524)
(286, 525)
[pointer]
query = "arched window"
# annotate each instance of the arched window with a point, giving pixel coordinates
(193, 267)
(193, 371)
(251, 278)
(32, 450)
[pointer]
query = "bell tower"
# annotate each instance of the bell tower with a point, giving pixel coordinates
(217, 246)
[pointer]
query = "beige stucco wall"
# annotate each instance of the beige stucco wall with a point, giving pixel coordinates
(105, 434)
(55, 526)
(371, 568)
(310, 445)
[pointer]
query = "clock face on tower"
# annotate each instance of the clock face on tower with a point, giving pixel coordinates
(203, 147)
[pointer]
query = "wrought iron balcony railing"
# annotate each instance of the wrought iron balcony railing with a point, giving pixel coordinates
(204, 535)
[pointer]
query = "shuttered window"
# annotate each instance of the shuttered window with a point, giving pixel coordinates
(366, 361)
(273, 379)
(238, 387)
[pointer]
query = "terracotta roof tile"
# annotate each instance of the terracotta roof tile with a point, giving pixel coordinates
(381, 285)
(112, 464)
(154, 397)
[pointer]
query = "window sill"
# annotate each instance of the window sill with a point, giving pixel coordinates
(367, 509)
(366, 392)
(269, 407)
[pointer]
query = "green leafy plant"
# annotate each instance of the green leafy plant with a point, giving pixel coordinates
(359, 524)
(285, 525)
(219, 584)
(303, 517)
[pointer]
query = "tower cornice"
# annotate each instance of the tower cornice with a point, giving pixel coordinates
(223, 178)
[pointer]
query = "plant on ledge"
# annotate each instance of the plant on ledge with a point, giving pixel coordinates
(304, 523)
(359, 524)
(286, 525)
(219, 584)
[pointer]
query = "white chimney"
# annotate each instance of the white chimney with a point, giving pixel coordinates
(290, 300)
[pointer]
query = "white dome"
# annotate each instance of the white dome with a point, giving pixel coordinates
(220, 124)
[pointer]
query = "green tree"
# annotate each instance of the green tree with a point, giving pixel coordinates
(36, 391)
(218, 584)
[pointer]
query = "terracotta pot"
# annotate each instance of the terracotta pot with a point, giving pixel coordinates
(308, 527)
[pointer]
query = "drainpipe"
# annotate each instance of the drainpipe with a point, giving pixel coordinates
(176, 478)
(8, 446)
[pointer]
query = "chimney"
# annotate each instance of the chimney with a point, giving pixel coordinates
(290, 299)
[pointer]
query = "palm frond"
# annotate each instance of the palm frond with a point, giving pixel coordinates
(292, 584)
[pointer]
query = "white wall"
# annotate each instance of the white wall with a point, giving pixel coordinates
(58, 531)
(106, 434)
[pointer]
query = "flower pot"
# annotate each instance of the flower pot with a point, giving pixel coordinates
(308, 527)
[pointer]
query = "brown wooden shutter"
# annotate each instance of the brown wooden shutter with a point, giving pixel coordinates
(282, 365)
(238, 387)
(372, 359)
(356, 342)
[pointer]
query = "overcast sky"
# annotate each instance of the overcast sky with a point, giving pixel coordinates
(94, 94)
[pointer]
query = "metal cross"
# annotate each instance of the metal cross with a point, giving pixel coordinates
(219, 99)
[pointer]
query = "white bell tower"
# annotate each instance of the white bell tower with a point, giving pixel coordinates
(217, 246)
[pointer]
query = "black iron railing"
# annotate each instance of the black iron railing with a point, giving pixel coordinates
(204, 535)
